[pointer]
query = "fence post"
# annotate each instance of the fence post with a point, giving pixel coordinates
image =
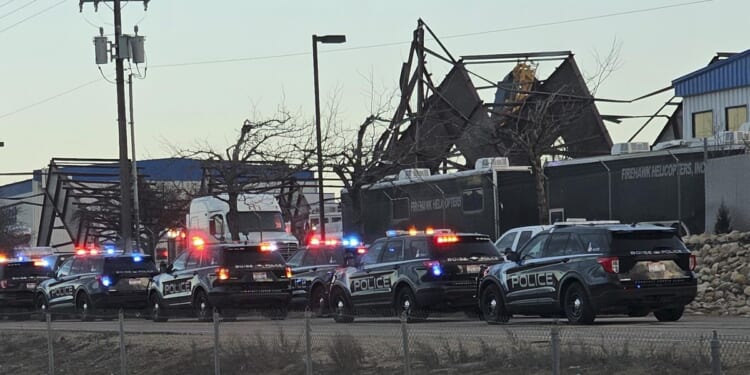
(715, 355)
(123, 353)
(405, 344)
(555, 338)
(217, 364)
(50, 346)
(308, 343)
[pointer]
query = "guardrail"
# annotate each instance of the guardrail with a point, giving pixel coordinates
(305, 345)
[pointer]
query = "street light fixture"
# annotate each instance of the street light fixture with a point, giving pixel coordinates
(327, 39)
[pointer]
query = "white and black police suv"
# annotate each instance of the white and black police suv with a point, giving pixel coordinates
(582, 271)
(413, 273)
(227, 277)
(94, 281)
(18, 281)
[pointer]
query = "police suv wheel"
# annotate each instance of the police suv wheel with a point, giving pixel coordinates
(669, 315)
(577, 307)
(84, 307)
(317, 302)
(40, 305)
(156, 312)
(203, 309)
(493, 308)
(342, 309)
(406, 304)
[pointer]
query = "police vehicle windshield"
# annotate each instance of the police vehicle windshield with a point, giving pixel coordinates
(625, 243)
(260, 221)
(135, 263)
(462, 246)
(249, 256)
(22, 269)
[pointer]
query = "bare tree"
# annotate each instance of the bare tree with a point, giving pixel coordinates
(162, 207)
(605, 66)
(10, 235)
(264, 157)
(535, 132)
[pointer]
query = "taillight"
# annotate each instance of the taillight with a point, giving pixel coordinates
(268, 246)
(105, 280)
(610, 264)
(223, 273)
(433, 267)
(693, 262)
(288, 272)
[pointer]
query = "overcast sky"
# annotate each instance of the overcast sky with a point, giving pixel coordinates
(54, 102)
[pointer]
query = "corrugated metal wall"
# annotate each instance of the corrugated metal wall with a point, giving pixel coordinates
(727, 179)
(716, 102)
(723, 75)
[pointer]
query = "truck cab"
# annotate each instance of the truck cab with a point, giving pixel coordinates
(259, 217)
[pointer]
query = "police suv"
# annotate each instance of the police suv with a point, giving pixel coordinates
(582, 271)
(93, 281)
(413, 273)
(222, 276)
(18, 281)
(313, 267)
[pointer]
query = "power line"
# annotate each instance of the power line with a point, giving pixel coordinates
(455, 36)
(17, 9)
(294, 54)
(50, 98)
(6, 3)
(580, 19)
(31, 16)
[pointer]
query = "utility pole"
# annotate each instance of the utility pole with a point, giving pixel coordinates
(136, 202)
(121, 50)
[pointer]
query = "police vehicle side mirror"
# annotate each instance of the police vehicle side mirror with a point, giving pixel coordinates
(512, 255)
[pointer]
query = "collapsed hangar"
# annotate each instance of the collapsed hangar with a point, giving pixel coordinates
(450, 119)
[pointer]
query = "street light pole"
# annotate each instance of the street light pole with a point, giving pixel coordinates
(319, 140)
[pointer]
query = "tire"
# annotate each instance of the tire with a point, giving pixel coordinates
(318, 303)
(577, 306)
(669, 315)
(406, 303)
(155, 309)
(343, 311)
(492, 305)
(202, 307)
(84, 307)
(41, 306)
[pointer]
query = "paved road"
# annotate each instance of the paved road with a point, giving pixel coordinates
(690, 327)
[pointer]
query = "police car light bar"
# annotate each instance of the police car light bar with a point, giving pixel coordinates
(446, 238)
(198, 242)
(395, 232)
(3, 259)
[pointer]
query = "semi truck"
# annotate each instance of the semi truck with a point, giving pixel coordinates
(259, 220)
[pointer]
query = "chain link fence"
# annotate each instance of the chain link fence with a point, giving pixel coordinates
(119, 343)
